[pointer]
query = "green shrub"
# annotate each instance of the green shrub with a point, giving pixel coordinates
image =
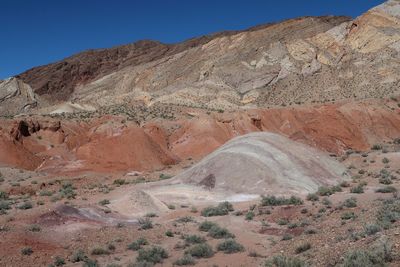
(203, 250)
(279, 201)
(376, 147)
(371, 229)
(99, 251)
(386, 189)
(185, 260)
(194, 239)
(165, 176)
(219, 232)
(34, 228)
(230, 246)
(25, 206)
(90, 263)
(222, 209)
(78, 256)
(327, 191)
(359, 189)
(287, 237)
(67, 191)
(350, 202)
(310, 231)
(377, 255)
(3, 195)
(284, 261)
(4, 205)
(145, 223)
(185, 219)
(46, 193)
(153, 255)
(137, 244)
(312, 197)
(302, 248)
(388, 213)
(385, 180)
(348, 216)
(26, 251)
(119, 182)
(282, 221)
(249, 215)
(104, 202)
(58, 261)
(206, 226)
(169, 233)
(385, 160)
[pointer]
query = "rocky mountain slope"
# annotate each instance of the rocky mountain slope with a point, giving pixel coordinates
(305, 60)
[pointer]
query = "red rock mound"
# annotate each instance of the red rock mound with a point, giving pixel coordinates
(128, 149)
(108, 145)
(15, 154)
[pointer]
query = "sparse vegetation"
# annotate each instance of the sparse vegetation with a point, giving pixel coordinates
(34, 228)
(203, 250)
(137, 244)
(145, 223)
(386, 189)
(350, 202)
(388, 213)
(230, 246)
(104, 202)
(279, 201)
(371, 229)
(59, 261)
(376, 147)
(155, 254)
(99, 251)
(219, 232)
(348, 216)
(26, 251)
(185, 260)
(67, 191)
(377, 255)
(327, 191)
(249, 215)
(25, 206)
(165, 176)
(194, 239)
(312, 197)
(302, 248)
(206, 226)
(185, 219)
(284, 261)
(359, 189)
(222, 209)
(79, 256)
(385, 180)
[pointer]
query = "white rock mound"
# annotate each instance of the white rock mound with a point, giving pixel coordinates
(264, 163)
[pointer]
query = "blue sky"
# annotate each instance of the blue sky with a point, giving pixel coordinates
(38, 32)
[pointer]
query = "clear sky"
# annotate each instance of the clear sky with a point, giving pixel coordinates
(38, 32)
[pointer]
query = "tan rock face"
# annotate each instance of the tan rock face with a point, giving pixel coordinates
(300, 60)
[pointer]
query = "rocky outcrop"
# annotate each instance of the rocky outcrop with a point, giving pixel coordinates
(25, 128)
(16, 97)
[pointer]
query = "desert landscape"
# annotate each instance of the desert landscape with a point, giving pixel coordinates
(275, 146)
